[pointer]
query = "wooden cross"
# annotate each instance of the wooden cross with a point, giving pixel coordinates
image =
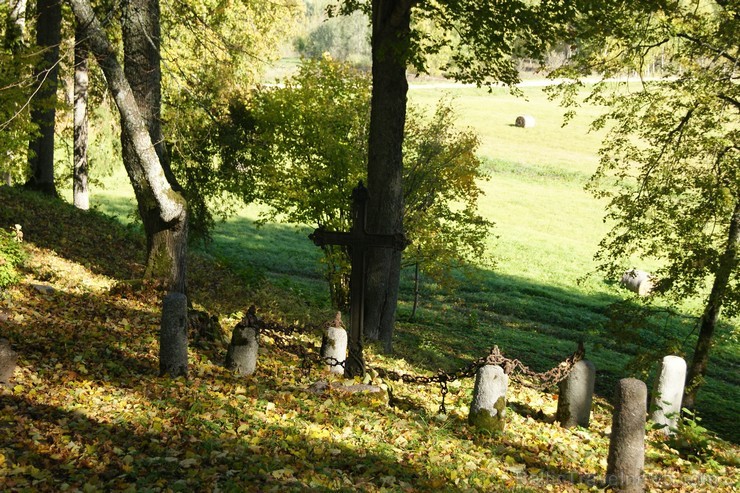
(359, 241)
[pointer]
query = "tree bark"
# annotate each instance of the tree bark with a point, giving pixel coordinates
(727, 264)
(153, 191)
(43, 111)
(166, 243)
(390, 44)
(15, 26)
(80, 189)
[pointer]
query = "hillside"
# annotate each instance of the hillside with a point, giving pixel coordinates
(86, 410)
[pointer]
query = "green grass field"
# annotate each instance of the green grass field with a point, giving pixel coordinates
(538, 301)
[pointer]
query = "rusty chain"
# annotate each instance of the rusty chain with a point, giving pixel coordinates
(280, 335)
(514, 368)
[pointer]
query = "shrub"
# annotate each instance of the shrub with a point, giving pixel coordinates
(12, 256)
(690, 438)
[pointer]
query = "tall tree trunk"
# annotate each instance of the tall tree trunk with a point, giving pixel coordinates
(80, 191)
(727, 264)
(15, 26)
(153, 190)
(43, 112)
(166, 245)
(390, 43)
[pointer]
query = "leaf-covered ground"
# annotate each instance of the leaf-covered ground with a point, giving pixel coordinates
(86, 410)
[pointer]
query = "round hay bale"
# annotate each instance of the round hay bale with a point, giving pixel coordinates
(637, 281)
(524, 121)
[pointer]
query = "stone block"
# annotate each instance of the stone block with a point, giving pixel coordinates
(627, 442)
(488, 409)
(576, 395)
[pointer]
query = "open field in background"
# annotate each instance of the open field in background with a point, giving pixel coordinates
(532, 304)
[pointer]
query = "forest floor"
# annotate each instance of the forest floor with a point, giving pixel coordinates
(87, 411)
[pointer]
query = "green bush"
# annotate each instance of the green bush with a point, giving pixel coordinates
(12, 256)
(691, 439)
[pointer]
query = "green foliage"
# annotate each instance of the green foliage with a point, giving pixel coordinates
(310, 142)
(210, 59)
(16, 87)
(311, 147)
(345, 38)
(477, 42)
(310, 150)
(12, 256)
(690, 438)
(670, 162)
(442, 176)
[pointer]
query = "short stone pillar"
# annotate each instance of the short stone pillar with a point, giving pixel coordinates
(668, 392)
(173, 336)
(488, 409)
(244, 348)
(627, 442)
(334, 347)
(576, 395)
(8, 359)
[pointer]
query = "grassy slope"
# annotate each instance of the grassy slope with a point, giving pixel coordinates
(87, 412)
(548, 229)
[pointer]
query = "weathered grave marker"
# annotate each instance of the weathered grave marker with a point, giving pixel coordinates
(334, 346)
(241, 356)
(173, 336)
(627, 442)
(488, 409)
(669, 392)
(358, 242)
(8, 359)
(576, 395)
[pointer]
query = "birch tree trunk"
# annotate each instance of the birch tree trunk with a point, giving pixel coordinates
(15, 26)
(166, 243)
(80, 189)
(153, 191)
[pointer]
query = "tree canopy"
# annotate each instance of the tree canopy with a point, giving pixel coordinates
(308, 148)
(671, 160)
(209, 61)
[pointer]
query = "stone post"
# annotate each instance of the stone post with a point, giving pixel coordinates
(243, 349)
(669, 392)
(8, 359)
(334, 349)
(576, 395)
(488, 409)
(627, 443)
(173, 336)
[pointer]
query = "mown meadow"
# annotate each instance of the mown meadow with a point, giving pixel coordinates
(87, 411)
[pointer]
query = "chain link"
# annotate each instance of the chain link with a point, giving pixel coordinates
(514, 368)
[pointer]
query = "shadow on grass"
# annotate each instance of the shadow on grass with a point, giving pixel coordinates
(190, 458)
(92, 239)
(539, 324)
(536, 323)
(84, 452)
